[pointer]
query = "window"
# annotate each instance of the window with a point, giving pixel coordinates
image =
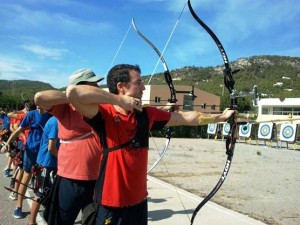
(157, 99)
(265, 110)
(286, 111)
(188, 102)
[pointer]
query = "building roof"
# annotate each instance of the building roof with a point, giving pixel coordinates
(278, 102)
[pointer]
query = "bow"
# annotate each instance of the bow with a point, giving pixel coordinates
(172, 99)
(40, 200)
(231, 138)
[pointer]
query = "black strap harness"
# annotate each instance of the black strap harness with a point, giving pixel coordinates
(140, 140)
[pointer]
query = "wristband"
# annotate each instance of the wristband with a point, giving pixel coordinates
(203, 120)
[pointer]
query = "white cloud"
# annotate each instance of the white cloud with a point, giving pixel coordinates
(45, 52)
(20, 69)
(56, 37)
(12, 65)
(23, 18)
(13, 68)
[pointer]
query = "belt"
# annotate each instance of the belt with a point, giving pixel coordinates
(76, 139)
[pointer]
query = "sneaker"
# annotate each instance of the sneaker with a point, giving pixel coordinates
(7, 169)
(18, 214)
(12, 183)
(13, 196)
(7, 173)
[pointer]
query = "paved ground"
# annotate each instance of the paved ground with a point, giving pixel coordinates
(171, 205)
(167, 205)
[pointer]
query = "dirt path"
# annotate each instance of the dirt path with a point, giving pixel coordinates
(263, 182)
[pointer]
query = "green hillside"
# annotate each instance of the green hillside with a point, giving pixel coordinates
(267, 72)
(275, 76)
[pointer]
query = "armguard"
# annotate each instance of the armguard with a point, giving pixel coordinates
(203, 120)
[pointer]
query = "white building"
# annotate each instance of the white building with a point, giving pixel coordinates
(275, 109)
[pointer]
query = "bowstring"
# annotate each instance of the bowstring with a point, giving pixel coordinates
(158, 61)
(167, 43)
(119, 48)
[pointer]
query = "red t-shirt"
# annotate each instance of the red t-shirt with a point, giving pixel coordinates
(12, 120)
(80, 150)
(125, 181)
(20, 116)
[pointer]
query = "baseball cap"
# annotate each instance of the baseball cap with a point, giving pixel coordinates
(84, 75)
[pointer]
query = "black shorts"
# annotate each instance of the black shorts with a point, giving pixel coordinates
(131, 215)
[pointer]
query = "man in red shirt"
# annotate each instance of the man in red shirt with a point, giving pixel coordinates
(123, 125)
(78, 156)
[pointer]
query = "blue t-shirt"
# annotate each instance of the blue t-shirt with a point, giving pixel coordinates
(45, 158)
(36, 122)
(6, 123)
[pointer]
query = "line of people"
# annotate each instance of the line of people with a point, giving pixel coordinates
(103, 152)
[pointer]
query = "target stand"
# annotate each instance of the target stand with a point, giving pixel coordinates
(212, 130)
(289, 134)
(267, 132)
(225, 130)
(248, 131)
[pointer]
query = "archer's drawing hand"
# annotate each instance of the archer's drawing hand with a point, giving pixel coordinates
(130, 103)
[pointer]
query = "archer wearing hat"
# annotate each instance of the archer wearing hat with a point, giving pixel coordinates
(78, 155)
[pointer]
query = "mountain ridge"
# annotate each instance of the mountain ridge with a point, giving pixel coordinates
(275, 76)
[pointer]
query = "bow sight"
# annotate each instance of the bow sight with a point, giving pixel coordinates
(234, 95)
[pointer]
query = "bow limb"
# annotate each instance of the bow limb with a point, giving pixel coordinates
(167, 74)
(231, 138)
(172, 99)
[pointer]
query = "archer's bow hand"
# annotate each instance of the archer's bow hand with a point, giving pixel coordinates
(227, 114)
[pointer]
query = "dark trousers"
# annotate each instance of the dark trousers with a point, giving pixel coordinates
(132, 215)
(68, 198)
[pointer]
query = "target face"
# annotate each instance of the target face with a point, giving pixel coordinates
(226, 128)
(211, 128)
(288, 132)
(265, 131)
(245, 130)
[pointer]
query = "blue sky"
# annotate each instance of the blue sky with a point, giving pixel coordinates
(47, 40)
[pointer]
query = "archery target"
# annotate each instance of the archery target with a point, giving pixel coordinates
(245, 130)
(265, 130)
(288, 132)
(226, 129)
(212, 128)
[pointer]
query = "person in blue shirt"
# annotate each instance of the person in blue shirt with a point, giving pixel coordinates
(47, 160)
(4, 135)
(36, 120)
(5, 120)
